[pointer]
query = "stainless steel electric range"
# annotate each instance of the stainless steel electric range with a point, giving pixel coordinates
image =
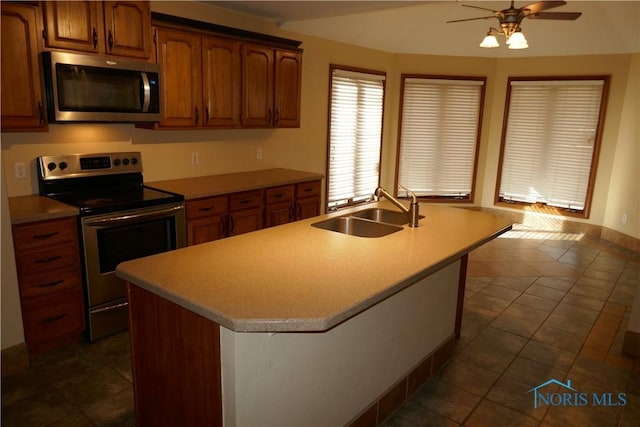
(120, 219)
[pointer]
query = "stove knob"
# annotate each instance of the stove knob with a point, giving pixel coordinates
(63, 165)
(125, 162)
(51, 166)
(134, 160)
(116, 162)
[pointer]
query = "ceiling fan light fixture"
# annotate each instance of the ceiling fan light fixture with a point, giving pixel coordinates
(517, 41)
(489, 41)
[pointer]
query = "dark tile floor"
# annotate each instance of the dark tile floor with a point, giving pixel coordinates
(539, 306)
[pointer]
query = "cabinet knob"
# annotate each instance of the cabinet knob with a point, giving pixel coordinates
(110, 40)
(95, 38)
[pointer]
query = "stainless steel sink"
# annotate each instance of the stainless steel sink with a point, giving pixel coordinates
(357, 226)
(383, 215)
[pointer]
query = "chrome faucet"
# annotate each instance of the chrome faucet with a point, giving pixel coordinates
(413, 209)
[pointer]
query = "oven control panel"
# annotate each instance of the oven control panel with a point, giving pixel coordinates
(83, 165)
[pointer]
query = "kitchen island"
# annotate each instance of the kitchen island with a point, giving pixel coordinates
(296, 325)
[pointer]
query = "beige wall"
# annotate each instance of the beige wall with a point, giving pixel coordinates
(167, 154)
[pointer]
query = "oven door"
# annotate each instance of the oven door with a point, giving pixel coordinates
(110, 239)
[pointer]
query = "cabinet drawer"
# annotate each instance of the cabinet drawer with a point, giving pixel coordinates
(47, 318)
(205, 207)
(27, 236)
(308, 189)
(246, 200)
(279, 194)
(50, 283)
(47, 259)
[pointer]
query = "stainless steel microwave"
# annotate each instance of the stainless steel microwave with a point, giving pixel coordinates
(92, 88)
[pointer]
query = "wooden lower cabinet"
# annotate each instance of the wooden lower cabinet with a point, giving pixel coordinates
(279, 205)
(206, 219)
(216, 217)
(50, 282)
(307, 200)
(245, 212)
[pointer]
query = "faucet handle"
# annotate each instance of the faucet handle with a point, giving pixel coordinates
(409, 193)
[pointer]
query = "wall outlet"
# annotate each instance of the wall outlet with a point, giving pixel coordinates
(20, 169)
(625, 218)
(194, 158)
(259, 153)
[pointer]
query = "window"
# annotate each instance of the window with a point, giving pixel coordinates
(439, 135)
(355, 135)
(550, 143)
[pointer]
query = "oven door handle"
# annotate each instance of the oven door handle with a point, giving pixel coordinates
(134, 216)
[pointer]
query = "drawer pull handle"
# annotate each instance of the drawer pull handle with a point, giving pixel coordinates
(278, 195)
(306, 190)
(45, 236)
(46, 260)
(205, 209)
(51, 284)
(54, 318)
(245, 201)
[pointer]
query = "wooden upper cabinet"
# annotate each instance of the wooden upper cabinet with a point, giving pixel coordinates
(128, 28)
(76, 25)
(112, 27)
(22, 105)
(270, 87)
(288, 72)
(179, 57)
(257, 85)
(221, 82)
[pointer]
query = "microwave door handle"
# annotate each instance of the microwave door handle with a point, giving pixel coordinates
(146, 90)
(128, 218)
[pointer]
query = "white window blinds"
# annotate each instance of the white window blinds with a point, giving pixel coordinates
(549, 142)
(439, 136)
(355, 136)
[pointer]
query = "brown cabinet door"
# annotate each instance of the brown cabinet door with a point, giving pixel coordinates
(288, 72)
(22, 107)
(179, 55)
(221, 82)
(245, 221)
(307, 208)
(76, 25)
(257, 86)
(279, 213)
(205, 229)
(128, 28)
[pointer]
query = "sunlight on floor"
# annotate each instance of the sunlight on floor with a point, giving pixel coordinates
(520, 231)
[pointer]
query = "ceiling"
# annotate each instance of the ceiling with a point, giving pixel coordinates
(419, 27)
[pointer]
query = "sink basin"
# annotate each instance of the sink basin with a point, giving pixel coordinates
(357, 226)
(383, 215)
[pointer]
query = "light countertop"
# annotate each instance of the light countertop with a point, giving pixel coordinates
(37, 208)
(296, 277)
(214, 185)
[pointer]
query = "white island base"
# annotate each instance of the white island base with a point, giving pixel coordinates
(188, 370)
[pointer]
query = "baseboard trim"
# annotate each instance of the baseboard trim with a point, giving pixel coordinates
(15, 359)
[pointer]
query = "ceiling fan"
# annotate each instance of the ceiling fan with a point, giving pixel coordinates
(511, 18)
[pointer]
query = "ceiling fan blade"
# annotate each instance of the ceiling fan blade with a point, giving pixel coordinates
(565, 16)
(471, 19)
(481, 8)
(542, 5)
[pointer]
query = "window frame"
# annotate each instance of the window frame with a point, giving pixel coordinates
(539, 206)
(470, 198)
(347, 68)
